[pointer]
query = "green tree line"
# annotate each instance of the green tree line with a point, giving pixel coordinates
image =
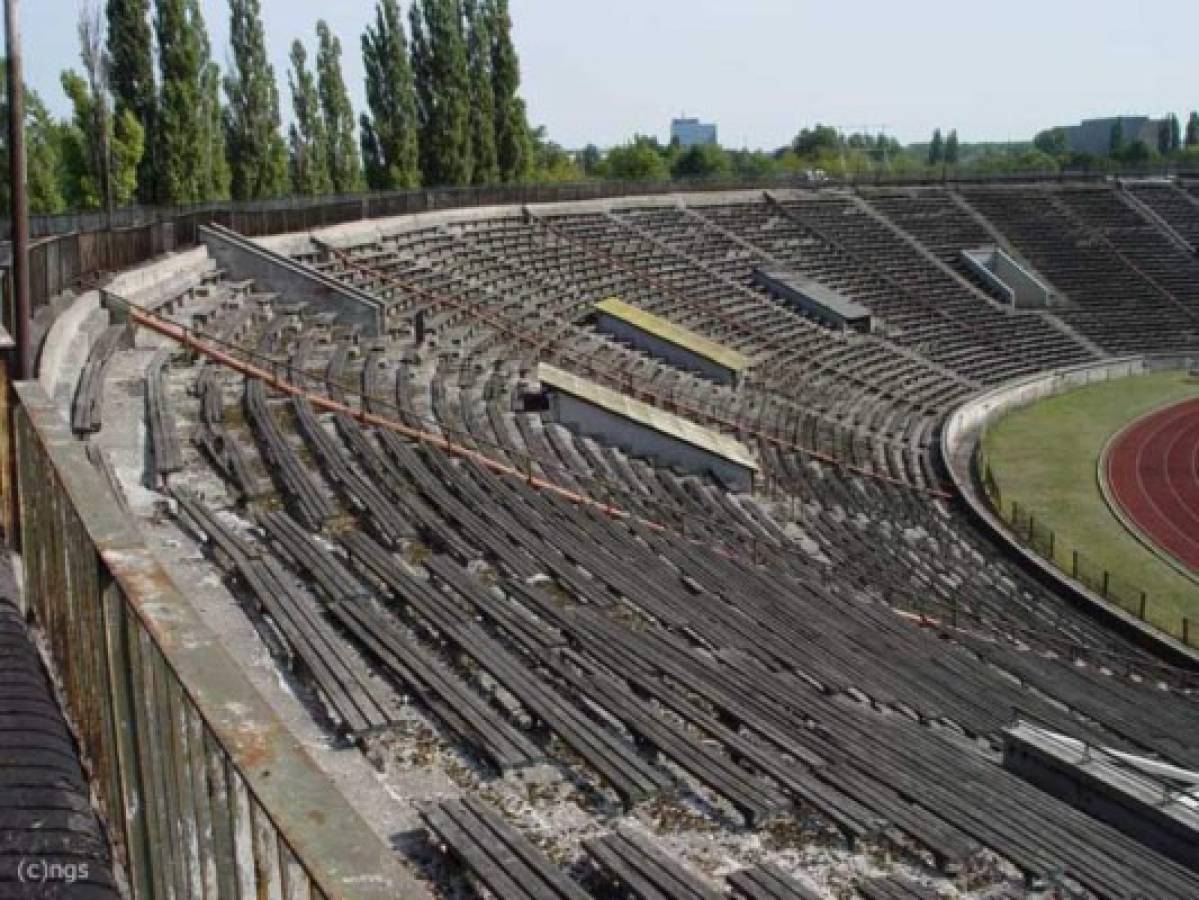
(155, 121)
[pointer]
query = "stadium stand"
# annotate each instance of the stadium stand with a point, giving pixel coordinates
(1102, 257)
(839, 645)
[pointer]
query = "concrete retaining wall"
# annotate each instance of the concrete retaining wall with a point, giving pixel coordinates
(960, 435)
(242, 258)
(674, 354)
(589, 419)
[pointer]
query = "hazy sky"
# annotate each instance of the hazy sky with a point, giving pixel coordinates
(600, 71)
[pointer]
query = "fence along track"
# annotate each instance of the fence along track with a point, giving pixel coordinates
(1041, 538)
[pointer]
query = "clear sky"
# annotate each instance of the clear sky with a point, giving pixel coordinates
(600, 71)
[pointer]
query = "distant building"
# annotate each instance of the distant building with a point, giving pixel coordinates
(1094, 136)
(692, 132)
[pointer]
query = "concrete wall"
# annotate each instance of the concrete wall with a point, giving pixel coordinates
(242, 258)
(960, 435)
(679, 357)
(591, 420)
(1096, 790)
(1021, 288)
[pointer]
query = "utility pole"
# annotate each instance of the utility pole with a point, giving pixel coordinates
(21, 317)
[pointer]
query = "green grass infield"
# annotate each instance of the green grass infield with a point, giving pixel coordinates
(1045, 457)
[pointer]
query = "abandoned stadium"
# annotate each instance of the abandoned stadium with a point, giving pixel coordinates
(551, 549)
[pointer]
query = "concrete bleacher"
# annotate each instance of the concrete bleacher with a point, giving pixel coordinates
(1098, 254)
(834, 649)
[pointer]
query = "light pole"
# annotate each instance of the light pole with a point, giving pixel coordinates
(20, 202)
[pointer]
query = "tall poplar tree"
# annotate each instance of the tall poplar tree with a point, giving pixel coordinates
(87, 139)
(257, 152)
(308, 144)
(390, 143)
(181, 128)
(936, 150)
(341, 148)
(216, 177)
(486, 168)
(1192, 132)
(1163, 137)
(514, 145)
(442, 91)
(952, 151)
(131, 79)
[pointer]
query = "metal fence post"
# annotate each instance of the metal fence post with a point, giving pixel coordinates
(1074, 563)
(1106, 581)
(1141, 613)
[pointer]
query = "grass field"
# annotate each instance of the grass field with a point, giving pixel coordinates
(1046, 458)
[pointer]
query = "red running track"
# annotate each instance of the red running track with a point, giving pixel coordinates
(1153, 474)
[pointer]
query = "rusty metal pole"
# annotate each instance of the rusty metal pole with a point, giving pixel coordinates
(22, 319)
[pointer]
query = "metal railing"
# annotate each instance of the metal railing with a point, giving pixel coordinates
(1039, 536)
(205, 792)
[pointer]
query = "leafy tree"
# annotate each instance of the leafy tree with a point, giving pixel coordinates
(42, 157)
(256, 147)
(936, 149)
(182, 128)
(1163, 137)
(702, 161)
(82, 149)
(215, 177)
(812, 142)
(91, 98)
(486, 164)
(551, 162)
(390, 145)
(1116, 141)
(341, 150)
(750, 164)
(439, 68)
(131, 78)
(1052, 142)
(590, 159)
(952, 151)
(512, 138)
(639, 160)
(306, 137)
(1027, 159)
(1138, 153)
(1192, 133)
